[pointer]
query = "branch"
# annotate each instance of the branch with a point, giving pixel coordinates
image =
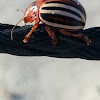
(40, 43)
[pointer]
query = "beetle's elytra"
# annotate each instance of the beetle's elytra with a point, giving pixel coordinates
(64, 15)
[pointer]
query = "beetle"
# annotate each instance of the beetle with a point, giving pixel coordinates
(66, 16)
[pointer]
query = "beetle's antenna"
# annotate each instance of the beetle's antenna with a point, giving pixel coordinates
(20, 10)
(14, 28)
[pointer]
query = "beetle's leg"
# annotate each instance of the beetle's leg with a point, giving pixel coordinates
(33, 28)
(36, 23)
(85, 38)
(51, 34)
(65, 32)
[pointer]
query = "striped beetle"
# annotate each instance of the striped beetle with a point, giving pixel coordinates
(64, 15)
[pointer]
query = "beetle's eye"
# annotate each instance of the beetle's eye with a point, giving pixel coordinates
(25, 19)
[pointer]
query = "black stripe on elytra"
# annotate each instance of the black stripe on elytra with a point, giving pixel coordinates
(61, 9)
(52, 18)
(79, 7)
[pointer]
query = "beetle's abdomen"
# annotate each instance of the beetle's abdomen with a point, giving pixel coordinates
(68, 14)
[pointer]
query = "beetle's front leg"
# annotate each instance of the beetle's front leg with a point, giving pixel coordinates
(51, 34)
(33, 29)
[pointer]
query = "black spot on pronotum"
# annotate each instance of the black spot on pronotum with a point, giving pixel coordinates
(31, 17)
(34, 13)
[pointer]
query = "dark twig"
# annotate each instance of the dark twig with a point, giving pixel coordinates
(40, 43)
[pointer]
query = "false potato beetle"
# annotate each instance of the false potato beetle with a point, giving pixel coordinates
(64, 15)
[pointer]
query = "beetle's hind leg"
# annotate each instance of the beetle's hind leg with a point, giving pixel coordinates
(51, 34)
(65, 32)
(85, 38)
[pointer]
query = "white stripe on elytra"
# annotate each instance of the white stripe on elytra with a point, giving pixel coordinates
(66, 7)
(60, 25)
(67, 14)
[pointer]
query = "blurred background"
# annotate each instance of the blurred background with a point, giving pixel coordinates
(48, 78)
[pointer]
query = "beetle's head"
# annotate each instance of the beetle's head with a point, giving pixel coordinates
(30, 13)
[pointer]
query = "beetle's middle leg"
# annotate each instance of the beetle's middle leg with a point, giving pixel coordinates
(51, 34)
(65, 32)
